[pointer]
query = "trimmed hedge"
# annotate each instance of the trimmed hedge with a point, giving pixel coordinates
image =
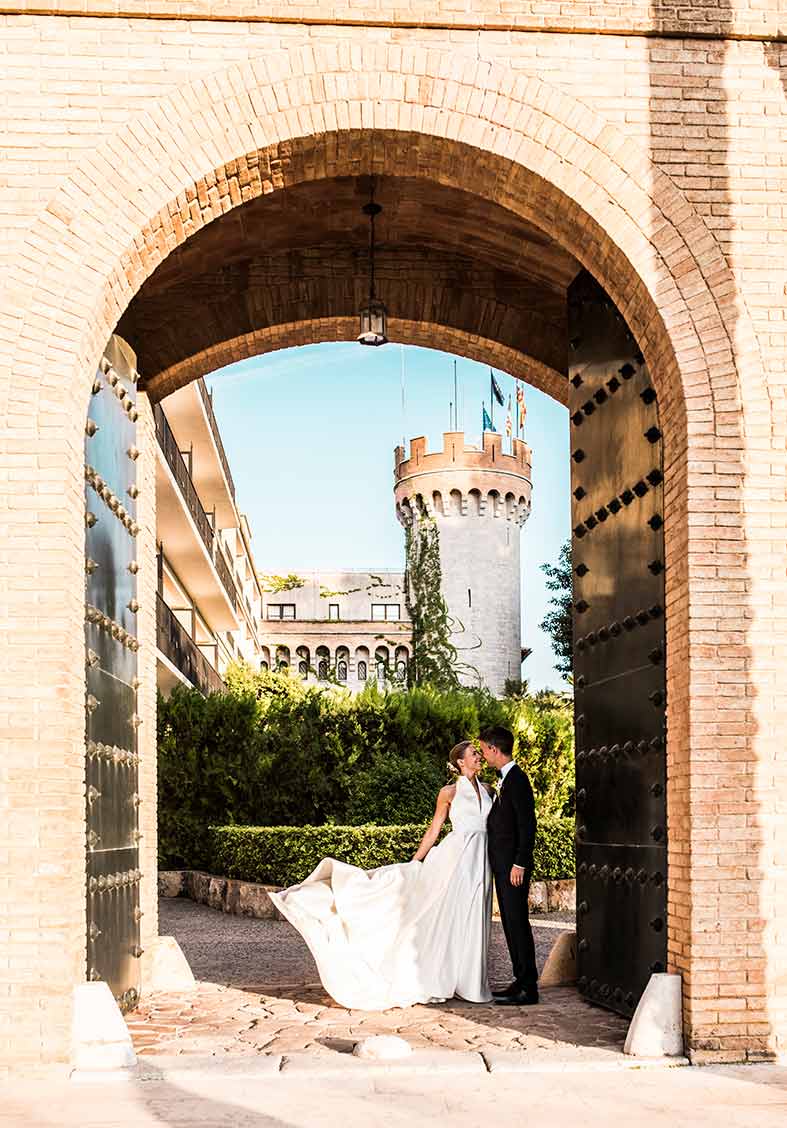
(274, 752)
(285, 855)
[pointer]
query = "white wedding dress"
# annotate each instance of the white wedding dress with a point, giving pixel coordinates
(408, 933)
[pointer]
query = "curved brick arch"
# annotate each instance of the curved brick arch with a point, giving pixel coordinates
(319, 330)
(547, 156)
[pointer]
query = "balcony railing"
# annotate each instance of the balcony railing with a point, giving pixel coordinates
(180, 470)
(208, 402)
(178, 466)
(176, 644)
(226, 576)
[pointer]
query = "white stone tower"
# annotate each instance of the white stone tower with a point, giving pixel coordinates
(479, 499)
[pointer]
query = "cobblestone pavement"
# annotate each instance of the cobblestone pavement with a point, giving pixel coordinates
(258, 993)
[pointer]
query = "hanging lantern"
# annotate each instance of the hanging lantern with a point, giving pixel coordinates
(374, 315)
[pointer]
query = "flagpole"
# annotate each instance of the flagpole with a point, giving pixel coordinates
(456, 401)
(401, 379)
(491, 398)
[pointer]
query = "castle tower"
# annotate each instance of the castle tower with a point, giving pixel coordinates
(479, 500)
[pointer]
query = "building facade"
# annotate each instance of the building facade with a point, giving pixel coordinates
(208, 599)
(348, 627)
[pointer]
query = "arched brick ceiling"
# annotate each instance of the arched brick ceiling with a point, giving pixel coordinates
(444, 257)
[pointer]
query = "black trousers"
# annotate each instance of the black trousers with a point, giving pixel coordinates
(512, 901)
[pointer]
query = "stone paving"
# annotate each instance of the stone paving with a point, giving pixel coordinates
(258, 993)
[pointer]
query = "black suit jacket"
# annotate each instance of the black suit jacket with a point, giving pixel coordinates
(511, 825)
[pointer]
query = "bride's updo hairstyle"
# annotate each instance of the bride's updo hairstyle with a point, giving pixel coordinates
(457, 754)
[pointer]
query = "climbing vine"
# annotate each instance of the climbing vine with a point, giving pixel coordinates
(434, 658)
(276, 584)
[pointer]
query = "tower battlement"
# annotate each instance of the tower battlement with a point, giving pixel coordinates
(456, 455)
(462, 480)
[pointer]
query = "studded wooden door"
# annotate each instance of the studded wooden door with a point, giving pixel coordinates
(619, 654)
(111, 774)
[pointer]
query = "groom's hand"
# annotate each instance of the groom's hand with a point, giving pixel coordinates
(517, 876)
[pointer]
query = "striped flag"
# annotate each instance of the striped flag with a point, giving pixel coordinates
(521, 409)
(509, 419)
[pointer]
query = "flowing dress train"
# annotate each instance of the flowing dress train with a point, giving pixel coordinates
(406, 933)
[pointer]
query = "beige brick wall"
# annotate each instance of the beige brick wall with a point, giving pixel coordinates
(660, 163)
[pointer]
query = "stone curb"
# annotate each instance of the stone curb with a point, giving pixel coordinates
(250, 899)
(421, 1062)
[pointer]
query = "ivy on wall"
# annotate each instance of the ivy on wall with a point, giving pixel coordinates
(435, 658)
(275, 584)
(376, 582)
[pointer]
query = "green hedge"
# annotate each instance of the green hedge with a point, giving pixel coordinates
(285, 855)
(274, 752)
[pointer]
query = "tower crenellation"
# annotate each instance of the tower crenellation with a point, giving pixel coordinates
(479, 498)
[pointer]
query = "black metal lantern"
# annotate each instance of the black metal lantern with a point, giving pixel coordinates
(374, 315)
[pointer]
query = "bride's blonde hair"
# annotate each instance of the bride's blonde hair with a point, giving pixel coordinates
(456, 754)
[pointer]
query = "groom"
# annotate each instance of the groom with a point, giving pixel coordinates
(511, 830)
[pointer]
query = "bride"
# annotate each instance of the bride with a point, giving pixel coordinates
(409, 933)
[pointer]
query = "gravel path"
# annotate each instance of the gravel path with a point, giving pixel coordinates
(237, 950)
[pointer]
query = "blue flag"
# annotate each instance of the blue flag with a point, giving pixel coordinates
(486, 424)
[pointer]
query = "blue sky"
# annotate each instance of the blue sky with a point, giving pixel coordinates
(310, 434)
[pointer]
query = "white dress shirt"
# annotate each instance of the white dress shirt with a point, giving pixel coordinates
(506, 768)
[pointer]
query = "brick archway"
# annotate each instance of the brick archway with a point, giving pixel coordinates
(317, 331)
(531, 148)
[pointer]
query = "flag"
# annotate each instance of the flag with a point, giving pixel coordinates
(509, 419)
(521, 409)
(498, 395)
(486, 423)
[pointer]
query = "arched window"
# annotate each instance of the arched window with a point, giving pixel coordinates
(402, 656)
(381, 659)
(282, 657)
(304, 661)
(342, 663)
(362, 663)
(323, 662)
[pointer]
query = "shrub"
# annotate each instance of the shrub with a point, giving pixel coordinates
(273, 752)
(284, 855)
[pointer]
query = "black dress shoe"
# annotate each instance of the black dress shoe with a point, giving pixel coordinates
(504, 992)
(522, 999)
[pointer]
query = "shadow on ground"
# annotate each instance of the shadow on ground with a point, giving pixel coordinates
(259, 993)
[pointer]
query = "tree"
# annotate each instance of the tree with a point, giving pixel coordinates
(558, 622)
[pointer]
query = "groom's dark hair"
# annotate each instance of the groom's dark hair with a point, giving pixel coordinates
(501, 738)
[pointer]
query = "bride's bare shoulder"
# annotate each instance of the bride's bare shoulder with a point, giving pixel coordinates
(447, 793)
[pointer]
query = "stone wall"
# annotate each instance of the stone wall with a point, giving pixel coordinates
(250, 899)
